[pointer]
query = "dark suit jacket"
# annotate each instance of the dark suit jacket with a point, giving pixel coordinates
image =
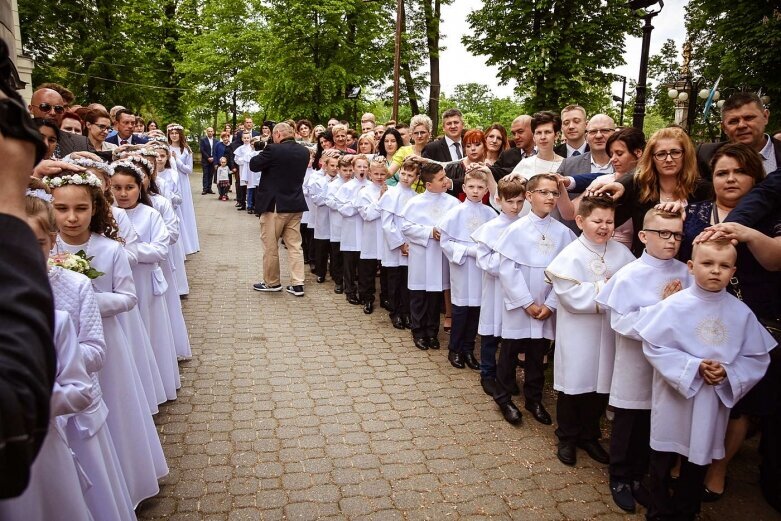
(135, 139)
(561, 150)
(72, 143)
(237, 137)
(706, 150)
(221, 150)
(438, 150)
(508, 159)
(284, 167)
(760, 201)
(207, 151)
(27, 359)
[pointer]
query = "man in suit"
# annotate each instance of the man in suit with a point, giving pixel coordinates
(447, 148)
(523, 138)
(208, 164)
(279, 200)
(125, 122)
(48, 104)
(573, 125)
(248, 127)
(743, 120)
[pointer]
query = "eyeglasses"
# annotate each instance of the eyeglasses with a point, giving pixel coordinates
(46, 107)
(675, 153)
(102, 128)
(602, 131)
(666, 234)
(547, 193)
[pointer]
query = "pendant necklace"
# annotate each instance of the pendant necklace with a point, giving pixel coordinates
(597, 266)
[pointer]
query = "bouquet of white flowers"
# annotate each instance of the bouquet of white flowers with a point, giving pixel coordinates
(78, 262)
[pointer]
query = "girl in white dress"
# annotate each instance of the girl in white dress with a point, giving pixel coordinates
(132, 449)
(182, 159)
(170, 190)
(127, 185)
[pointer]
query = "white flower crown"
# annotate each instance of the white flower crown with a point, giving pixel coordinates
(40, 194)
(127, 163)
(174, 126)
(78, 178)
(90, 163)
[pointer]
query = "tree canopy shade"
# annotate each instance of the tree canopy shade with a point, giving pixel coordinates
(556, 50)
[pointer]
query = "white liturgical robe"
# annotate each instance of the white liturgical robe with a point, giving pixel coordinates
(346, 204)
(368, 204)
(318, 190)
(688, 416)
(334, 217)
(391, 205)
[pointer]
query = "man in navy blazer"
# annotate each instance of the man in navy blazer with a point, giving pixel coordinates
(447, 148)
(208, 163)
(125, 122)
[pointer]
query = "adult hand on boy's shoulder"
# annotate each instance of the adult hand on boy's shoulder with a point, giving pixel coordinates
(671, 288)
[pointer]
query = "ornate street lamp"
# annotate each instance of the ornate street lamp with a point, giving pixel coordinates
(637, 5)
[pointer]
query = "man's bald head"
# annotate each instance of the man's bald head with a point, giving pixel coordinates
(599, 128)
(521, 131)
(47, 104)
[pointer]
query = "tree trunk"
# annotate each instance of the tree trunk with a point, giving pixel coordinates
(432, 13)
(406, 72)
(537, 101)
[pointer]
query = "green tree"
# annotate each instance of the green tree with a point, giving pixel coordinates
(663, 70)
(556, 50)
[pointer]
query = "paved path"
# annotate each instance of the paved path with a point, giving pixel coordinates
(305, 408)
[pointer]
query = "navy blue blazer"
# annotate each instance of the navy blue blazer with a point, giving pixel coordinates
(759, 202)
(208, 151)
(135, 139)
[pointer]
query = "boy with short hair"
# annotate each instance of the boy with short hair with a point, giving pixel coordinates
(318, 189)
(352, 224)
(510, 195)
(702, 366)
(345, 171)
(372, 238)
(644, 282)
(395, 247)
(428, 268)
(456, 228)
(525, 249)
(585, 342)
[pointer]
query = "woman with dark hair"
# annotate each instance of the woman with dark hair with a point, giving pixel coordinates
(152, 125)
(389, 144)
(495, 142)
(737, 168)
(325, 141)
(98, 125)
(304, 131)
(546, 127)
(50, 134)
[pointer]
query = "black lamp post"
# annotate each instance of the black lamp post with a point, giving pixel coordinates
(622, 99)
(639, 116)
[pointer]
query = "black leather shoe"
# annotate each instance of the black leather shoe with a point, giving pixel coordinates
(407, 322)
(352, 299)
(397, 322)
(511, 413)
(471, 361)
(385, 304)
(595, 450)
(567, 453)
(368, 308)
(641, 493)
(622, 495)
(539, 412)
(421, 344)
(433, 343)
(489, 385)
(338, 289)
(456, 360)
(241, 208)
(320, 280)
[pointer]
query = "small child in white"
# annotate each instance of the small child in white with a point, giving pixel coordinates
(466, 280)
(703, 364)
(644, 282)
(372, 239)
(318, 189)
(223, 182)
(585, 342)
(352, 224)
(345, 172)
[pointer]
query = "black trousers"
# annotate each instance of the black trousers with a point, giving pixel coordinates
(367, 272)
(425, 307)
(241, 195)
(307, 235)
(383, 283)
(464, 328)
(398, 293)
(322, 250)
(630, 444)
(208, 174)
(350, 271)
(311, 253)
(534, 372)
(337, 269)
(684, 503)
(577, 416)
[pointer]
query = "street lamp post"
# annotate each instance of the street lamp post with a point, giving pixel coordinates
(639, 116)
(622, 99)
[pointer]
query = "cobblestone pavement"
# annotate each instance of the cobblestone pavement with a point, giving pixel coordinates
(305, 408)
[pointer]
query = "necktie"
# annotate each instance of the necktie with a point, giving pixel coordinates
(576, 153)
(458, 150)
(123, 142)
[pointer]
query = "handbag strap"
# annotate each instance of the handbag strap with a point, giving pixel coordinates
(735, 283)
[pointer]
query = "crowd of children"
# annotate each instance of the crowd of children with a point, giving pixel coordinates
(114, 243)
(523, 283)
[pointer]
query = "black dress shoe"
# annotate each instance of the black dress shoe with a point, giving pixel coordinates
(595, 450)
(241, 208)
(456, 360)
(352, 299)
(385, 304)
(641, 493)
(622, 495)
(237, 204)
(489, 385)
(407, 322)
(320, 280)
(368, 308)
(511, 413)
(421, 344)
(567, 453)
(539, 412)
(397, 322)
(209, 192)
(471, 361)
(204, 193)
(338, 289)
(433, 343)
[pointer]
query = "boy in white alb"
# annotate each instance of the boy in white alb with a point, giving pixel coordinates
(510, 195)
(372, 240)
(525, 249)
(585, 342)
(345, 172)
(308, 217)
(703, 365)
(644, 282)
(466, 280)
(247, 177)
(318, 190)
(428, 268)
(395, 247)
(352, 224)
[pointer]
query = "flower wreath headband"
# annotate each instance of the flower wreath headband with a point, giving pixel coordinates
(127, 163)
(78, 179)
(90, 163)
(174, 126)
(41, 194)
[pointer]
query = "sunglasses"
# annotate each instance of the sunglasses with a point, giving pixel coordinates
(46, 107)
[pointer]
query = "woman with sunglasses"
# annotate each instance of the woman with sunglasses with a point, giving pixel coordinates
(98, 125)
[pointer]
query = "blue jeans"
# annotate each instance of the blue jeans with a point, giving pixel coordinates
(489, 344)
(251, 198)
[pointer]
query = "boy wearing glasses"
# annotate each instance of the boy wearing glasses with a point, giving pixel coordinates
(644, 282)
(525, 249)
(585, 342)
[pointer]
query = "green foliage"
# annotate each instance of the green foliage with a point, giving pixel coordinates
(664, 69)
(556, 50)
(480, 107)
